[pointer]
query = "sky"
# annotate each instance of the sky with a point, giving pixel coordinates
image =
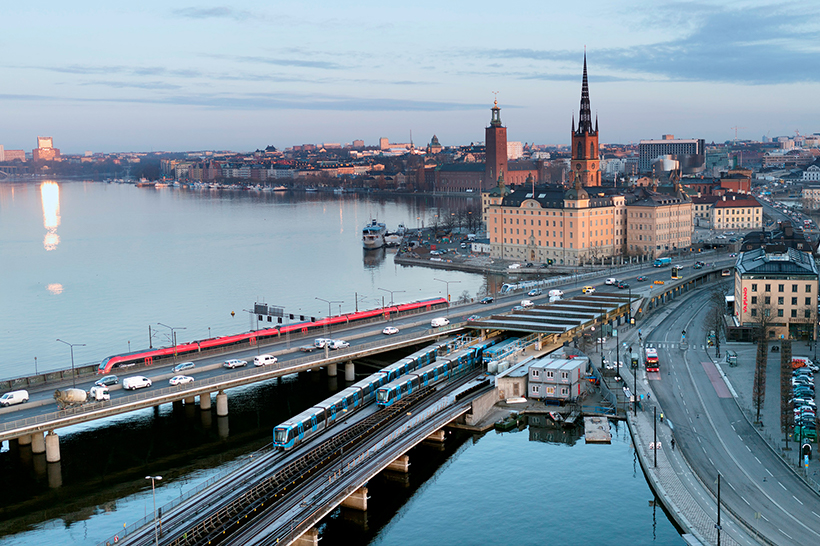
(177, 75)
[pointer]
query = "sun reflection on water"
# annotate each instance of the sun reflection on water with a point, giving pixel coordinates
(50, 196)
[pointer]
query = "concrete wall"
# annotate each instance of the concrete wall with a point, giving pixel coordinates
(481, 407)
(509, 387)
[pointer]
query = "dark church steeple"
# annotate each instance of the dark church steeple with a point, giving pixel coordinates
(585, 140)
(585, 115)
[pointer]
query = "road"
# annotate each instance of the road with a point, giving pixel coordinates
(757, 486)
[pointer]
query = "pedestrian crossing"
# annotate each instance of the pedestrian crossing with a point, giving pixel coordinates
(685, 345)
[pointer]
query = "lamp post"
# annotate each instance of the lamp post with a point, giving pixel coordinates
(448, 291)
(173, 336)
(329, 312)
(154, 495)
(71, 345)
(391, 297)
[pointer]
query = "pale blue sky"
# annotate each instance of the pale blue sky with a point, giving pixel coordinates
(177, 75)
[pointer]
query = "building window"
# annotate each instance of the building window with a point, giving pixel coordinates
(564, 391)
(754, 300)
(549, 374)
(767, 300)
(754, 312)
(564, 375)
(754, 287)
(781, 287)
(768, 287)
(794, 288)
(780, 312)
(794, 301)
(808, 289)
(808, 301)
(794, 313)
(780, 301)
(807, 313)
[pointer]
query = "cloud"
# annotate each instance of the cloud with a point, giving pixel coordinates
(299, 63)
(135, 85)
(769, 44)
(218, 12)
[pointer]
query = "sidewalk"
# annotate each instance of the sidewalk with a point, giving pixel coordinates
(741, 380)
(666, 478)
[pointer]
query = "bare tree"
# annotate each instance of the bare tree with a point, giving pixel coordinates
(786, 413)
(762, 313)
(464, 297)
(714, 316)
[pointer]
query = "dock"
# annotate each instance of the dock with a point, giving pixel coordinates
(596, 430)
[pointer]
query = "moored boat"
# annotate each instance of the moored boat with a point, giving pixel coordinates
(373, 235)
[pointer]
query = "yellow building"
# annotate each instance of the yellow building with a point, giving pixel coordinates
(732, 213)
(658, 222)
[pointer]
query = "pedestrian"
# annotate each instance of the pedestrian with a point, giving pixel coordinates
(661, 417)
(673, 444)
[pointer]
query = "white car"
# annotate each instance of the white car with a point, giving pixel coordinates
(527, 304)
(264, 360)
(611, 280)
(234, 363)
(180, 380)
(390, 330)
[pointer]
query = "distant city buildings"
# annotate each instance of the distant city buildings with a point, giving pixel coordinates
(45, 150)
(690, 153)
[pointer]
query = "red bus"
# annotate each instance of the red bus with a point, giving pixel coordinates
(652, 362)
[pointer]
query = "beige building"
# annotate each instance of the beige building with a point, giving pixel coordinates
(779, 286)
(658, 223)
(732, 213)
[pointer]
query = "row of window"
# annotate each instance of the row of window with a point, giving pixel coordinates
(550, 391)
(549, 374)
(780, 300)
(767, 287)
(767, 313)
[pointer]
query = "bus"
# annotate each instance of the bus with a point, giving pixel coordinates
(676, 274)
(652, 362)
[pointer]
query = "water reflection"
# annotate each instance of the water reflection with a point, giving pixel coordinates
(50, 197)
(373, 259)
(543, 429)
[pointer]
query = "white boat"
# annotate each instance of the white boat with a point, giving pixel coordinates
(373, 235)
(280, 188)
(393, 239)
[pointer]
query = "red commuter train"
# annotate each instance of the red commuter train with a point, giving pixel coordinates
(157, 356)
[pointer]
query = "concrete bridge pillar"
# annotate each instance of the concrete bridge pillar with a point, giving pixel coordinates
(189, 400)
(437, 436)
(55, 475)
(309, 538)
(24, 440)
(205, 401)
(221, 404)
(331, 370)
(357, 500)
(52, 447)
(38, 443)
(350, 371)
(402, 464)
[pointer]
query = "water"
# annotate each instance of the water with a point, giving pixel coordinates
(96, 264)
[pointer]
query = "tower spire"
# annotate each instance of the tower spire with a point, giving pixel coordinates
(585, 115)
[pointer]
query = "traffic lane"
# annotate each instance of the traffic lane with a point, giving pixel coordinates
(710, 438)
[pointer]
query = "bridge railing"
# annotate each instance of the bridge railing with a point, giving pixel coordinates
(200, 386)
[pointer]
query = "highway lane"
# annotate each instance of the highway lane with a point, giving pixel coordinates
(757, 486)
(42, 399)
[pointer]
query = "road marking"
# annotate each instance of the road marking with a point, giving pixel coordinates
(815, 513)
(784, 532)
(769, 472)
(783, 486)
(699, 440)
(733, 428)
(758, 460)
(744, 500)
(730, 485)
(798, 500)
(711, 461)
(747, 447)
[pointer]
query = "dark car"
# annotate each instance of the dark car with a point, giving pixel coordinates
(528, 264)
(472, 318)
(642, 278)
(486, 299)
(107, 381)
(697, 266)
(623, 284)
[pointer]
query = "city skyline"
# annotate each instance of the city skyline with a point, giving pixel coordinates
(171, 76)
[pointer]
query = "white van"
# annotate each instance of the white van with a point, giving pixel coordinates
(14, 397)
(611, 280)
(99, 393)
(320, 342)
(338, 344)
(264, 360)
(438, 322)
(553, 299)
(527, 304)
(136, 382)
(559, 293)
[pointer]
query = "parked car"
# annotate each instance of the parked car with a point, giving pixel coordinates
(534, 292)
(390, 330)
(183, 366)
(180, 380)
(234, 363)
(588, 289)
(107, 381)
(641, 278)
(486, 299)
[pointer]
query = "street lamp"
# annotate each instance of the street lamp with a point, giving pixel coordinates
(173, 336)
(448, 291)
(154, 494)
(391, 297)
(329, 302)
(72, 345)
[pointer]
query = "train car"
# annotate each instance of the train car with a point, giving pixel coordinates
(297, 428)
(491, 353)
(159, 356)
(369, 386)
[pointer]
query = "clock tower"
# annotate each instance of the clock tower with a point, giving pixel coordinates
(585, 163)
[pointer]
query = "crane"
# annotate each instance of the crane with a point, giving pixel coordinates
(736, 128)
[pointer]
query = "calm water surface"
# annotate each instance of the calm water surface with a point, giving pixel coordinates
(96, 264)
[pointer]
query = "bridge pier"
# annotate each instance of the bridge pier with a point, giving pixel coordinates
(38, 443)
(24, 440)
(221, 404)
(357, 500)
(402, 464)
(205, 401)
(350, 371)
(309, 538)
(331, 370)
(189, 400)
(437, 436)
(55, 475)
(52, 447)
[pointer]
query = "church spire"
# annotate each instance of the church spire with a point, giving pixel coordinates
(585, 115)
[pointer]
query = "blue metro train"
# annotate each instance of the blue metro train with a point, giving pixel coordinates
(441, 370)
(344, 403)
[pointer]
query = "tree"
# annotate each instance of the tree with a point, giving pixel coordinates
(786, 413)
(714, 316)
(762, 314)
(464, 297)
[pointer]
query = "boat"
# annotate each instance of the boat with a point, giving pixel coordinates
(556, 417)
(393, 239)
(144, 183)
(280, 187)
(373, 235)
